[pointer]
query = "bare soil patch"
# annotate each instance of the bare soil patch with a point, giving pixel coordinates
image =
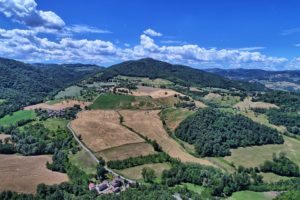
(212, 96)
(58, 106)
(148, 123)
(3, 136)
(101, 129)
(127, 151)
(23, 174)
(248, 103)
(153, 92)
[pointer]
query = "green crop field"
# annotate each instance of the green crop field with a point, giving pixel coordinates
(55, 123)
(17, 116)
(256, 155)
(72, 91)
(249, 195)
(112, 101)
(136, 172)
(83, 160)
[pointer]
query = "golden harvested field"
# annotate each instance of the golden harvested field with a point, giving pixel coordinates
(126, 151)
(148, 123)
(248, 103)
(23, 174)
(153, 92)
(211, 96)
(58, 106)
(101, 129)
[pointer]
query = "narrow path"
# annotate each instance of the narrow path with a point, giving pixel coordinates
(94, 157)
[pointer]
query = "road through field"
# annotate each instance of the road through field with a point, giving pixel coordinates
(94, 157)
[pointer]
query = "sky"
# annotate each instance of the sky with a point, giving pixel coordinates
(261, 34)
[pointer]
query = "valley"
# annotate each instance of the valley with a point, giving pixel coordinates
(160, 128)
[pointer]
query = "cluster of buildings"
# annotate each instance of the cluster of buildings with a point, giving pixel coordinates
(109, 187)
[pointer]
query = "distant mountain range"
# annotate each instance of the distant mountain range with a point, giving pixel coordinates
(288, 80)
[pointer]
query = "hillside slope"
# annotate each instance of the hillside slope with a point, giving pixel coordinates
(177, 73)
(282, 80)
(22, 84)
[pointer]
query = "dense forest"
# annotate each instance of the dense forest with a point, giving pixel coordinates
(179, 74)
(24, 84)
(213, 132)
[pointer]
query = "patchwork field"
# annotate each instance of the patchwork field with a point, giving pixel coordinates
(147, 81)
(101, 129)
(153, 92)
(126, 151)
(248, 103)
(23, 174)
(135, 173)
(223, 101)
(17, 116)
(256, 155)
(58, 106)
(148, 123)
(113, 101)
(71, 91)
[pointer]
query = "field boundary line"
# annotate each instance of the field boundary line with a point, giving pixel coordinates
(94, 157)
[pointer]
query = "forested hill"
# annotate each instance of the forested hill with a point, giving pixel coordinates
(22, 84)
(183, 75)
(288, 80)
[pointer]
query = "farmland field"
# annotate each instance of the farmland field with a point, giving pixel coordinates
(84, 162)
(17, 116)
(101, 129)
(23, 174)
(148, 123)
(72, 91)
(112, 101)
(173, 116)
(147, 81)
(249, 195)
(136, 172)
(248, 103)
(153, 92)
(256, 155)
(58, 106)
(126, 151)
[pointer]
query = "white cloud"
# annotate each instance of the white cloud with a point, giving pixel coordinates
(26, 12)
(153, 33)
(250, 48)
(86, 29)
(27, 45)
(297, 45)
(178, 42)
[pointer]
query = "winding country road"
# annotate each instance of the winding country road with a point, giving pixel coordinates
(94, 157)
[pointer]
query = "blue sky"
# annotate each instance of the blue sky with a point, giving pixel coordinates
(213, 33)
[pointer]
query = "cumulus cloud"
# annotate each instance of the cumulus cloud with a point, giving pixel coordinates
(153, 33)
(26, 12)
(27, 45)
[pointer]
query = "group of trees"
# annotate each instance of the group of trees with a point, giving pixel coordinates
(281, 165)
(141, 160)
(219, 183)
(214, 132)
